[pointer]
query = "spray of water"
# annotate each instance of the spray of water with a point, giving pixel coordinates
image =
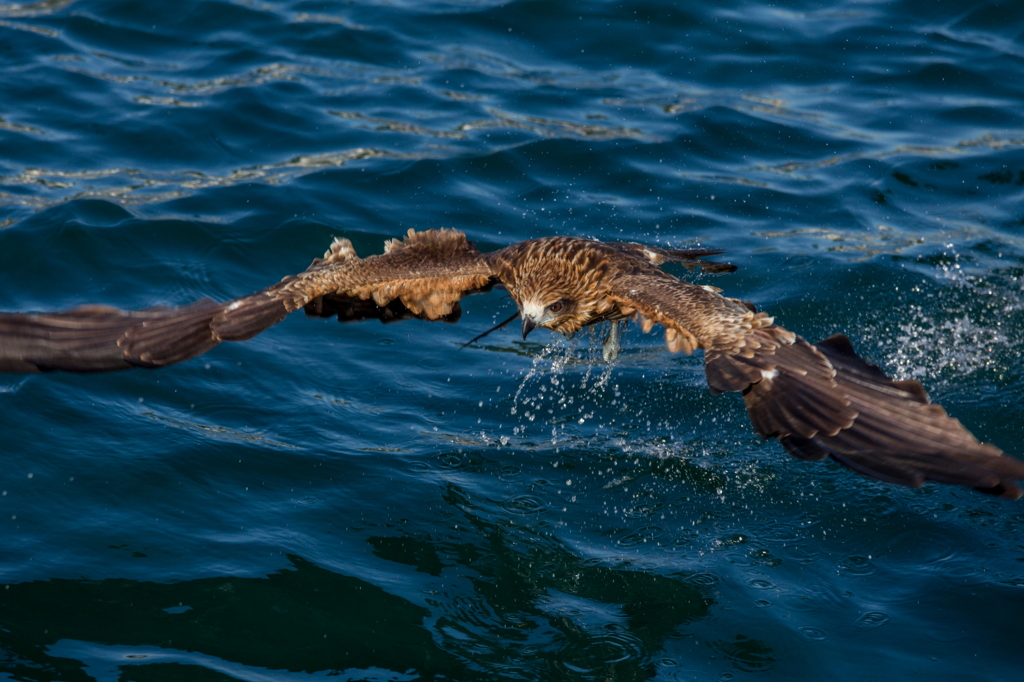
(968, 323)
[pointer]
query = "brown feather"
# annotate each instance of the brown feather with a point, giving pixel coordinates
(820, 400)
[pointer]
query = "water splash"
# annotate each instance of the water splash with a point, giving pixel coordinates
(549, 390)
(962, 346)
(967, 324)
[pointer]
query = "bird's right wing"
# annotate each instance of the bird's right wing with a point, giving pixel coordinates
(820, 400)
(424, 276)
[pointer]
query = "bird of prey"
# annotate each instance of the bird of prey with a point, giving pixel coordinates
(820, 400)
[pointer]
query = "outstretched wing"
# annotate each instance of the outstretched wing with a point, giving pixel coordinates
(820, 400)
(423, 276)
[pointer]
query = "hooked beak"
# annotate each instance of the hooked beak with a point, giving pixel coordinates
(528, 326)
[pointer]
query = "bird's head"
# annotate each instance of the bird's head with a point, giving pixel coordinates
(555, 311)
(559, 283)
(563, 297)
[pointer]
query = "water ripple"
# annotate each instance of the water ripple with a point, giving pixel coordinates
(863, 163)
(872, 620)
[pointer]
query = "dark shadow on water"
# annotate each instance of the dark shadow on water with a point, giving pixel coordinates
(541, 609)
(525, 606)
(303, 619)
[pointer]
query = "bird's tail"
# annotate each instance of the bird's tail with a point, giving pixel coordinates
(690, 258)
(97, 338)
(823, 400)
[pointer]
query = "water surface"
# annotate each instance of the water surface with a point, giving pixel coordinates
(370, 502)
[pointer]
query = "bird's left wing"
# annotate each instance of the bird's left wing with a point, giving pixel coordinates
(820, 400)
(424, 276)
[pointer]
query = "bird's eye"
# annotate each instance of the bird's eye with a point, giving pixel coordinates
(556, 306)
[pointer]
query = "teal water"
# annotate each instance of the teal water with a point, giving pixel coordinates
(370, 502)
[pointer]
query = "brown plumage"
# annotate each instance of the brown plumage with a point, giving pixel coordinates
(820, 400)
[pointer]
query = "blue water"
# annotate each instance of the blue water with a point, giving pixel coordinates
(370, 502)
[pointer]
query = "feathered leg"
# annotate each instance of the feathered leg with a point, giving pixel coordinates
(612, 346)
